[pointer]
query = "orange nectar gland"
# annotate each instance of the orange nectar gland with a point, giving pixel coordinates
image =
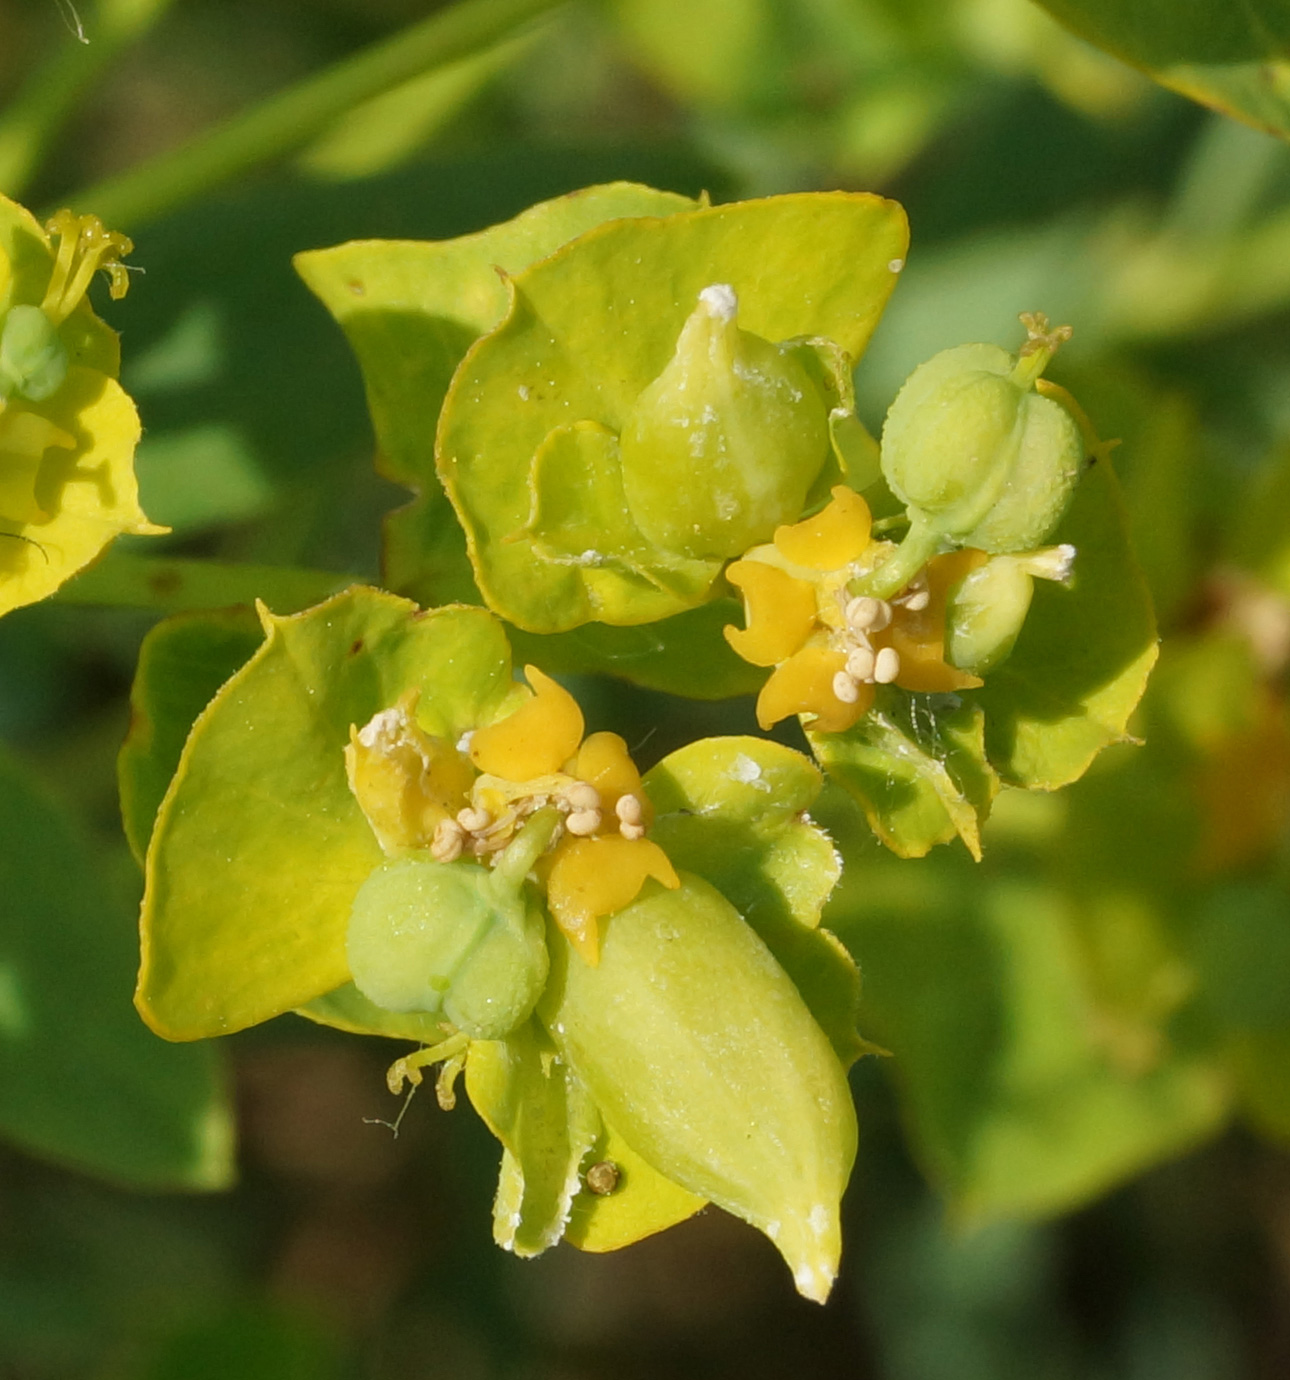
(472, 797)
(831, 650)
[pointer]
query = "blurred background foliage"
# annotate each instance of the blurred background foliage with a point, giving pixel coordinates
(1075, 1163)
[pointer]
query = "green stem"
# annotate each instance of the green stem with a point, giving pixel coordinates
(290, 119)
(52, 92)
(920, 545)
(124, 580)
(516, 860)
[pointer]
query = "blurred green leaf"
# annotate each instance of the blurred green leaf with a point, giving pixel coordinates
(1018, 1093)
(1224, 55)
(81, 1079)
(1158, 33)
(254, 1341)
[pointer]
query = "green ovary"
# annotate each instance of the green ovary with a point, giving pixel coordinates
(722, 447)
(699, 1049)
(447, 938)
(979, 458)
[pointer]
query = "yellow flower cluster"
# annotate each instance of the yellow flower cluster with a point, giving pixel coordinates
(67, 430)
(471, 798)
(831, 650)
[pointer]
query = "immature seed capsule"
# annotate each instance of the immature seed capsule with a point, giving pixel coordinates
(722, 447)
(700, 1052)
(33, 360)
(985, 611)
(979, 457)
(453, 937)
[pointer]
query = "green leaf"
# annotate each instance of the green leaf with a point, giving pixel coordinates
(682, 655)
(410, 310)
(259, 846)
(1082, 659)
(733, 810)
(534, 1104)
(916, 765)
(182, 663)
(1156, 33)
(595, 323)
(1020, 1095)
(81, 1079)
(1228, 56)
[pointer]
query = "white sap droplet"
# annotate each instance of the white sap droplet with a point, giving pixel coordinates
(523, 391)
(720, 300)
(895, 265)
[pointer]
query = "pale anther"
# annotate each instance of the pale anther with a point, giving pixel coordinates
(583, 822)
(631, 831)
(917, 601)
(845, 688)
(886, 665)
(449, 837)
(473, 820)
(629, 810)
(860, 664)
(864, 614)
(583, 796)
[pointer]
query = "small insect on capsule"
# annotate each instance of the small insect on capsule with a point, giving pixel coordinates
(602, 1178)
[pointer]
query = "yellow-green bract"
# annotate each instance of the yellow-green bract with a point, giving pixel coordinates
(267, 891)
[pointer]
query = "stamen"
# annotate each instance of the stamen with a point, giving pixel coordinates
(472, 820)
(864, 614)
(845, 688)
(916, 601)
(629, 809)
(631, 831)
(448, 842)
(84, 247)
(583, 796)
(886, 665)
(583, 822)
(860, 665)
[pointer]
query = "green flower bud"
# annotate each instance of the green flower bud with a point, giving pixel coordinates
(459, 938)
(985, 611)
(977, 455)
(701, 1053)
(33, 360)
(722, 447)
